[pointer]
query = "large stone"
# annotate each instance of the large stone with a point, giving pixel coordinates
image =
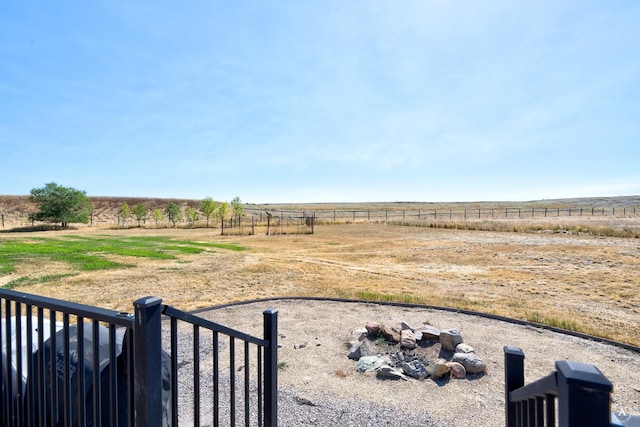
(438, 369)
(369, 363)
(457, 370)
(450, 338)
(387, 372)
(404, 325)
(360, 349)
(408, 339)
(354, 352)
(373, 328)
(355, 336)
(427, 333)
(464, 348)
(471, 362)
(390, 333)
(415, 369)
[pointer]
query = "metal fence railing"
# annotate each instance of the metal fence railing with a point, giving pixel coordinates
(577, 393)
(68, 364)
(225, 385)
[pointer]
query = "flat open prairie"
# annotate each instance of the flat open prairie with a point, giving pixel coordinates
(579, 282)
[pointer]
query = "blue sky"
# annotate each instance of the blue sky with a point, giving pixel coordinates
(322, 101)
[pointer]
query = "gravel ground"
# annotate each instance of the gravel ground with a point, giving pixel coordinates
(318, 385)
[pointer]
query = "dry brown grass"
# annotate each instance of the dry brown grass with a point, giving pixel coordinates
(577, 282)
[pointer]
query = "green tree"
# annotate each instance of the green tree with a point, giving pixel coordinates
(237, 208)
(60, 204)
(192, 215)
(223, 210)
(140, 212)
(208, 207)
(173, 213)
(157, 215)
(124, 212)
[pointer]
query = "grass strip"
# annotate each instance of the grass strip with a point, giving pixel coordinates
(90, 253)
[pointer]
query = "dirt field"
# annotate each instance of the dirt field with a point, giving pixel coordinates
(582, 282)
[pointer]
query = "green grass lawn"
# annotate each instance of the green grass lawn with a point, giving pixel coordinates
(91, 253)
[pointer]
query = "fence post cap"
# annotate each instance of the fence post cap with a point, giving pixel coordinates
(148, 301)
(270, 311)
(583, 374)
(511, 350)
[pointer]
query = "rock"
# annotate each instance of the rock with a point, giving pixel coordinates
(373, 328)
(354, 352)
(357, 335)
(404, 325)
(415, 369)
(386, 371)
(369, 363)
(365, 349)
(360, 349)
(427, 333)
(301, 345)
(471, 362)
(390, 333)
(438, 369)
(408, 339)
(457, 370)
(464, 348)
(450, 338)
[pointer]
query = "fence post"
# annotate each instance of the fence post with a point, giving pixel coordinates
(147, 348)
(584, 395)
(271, 368)
(513, 380)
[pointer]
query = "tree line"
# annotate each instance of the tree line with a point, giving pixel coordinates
(66, 205)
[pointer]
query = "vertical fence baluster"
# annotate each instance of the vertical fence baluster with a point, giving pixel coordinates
(174, 371)
(97, 387)
(232, 380)
(216, 381)
(128, 344)
(8, 380)
(246, 383)
(80, 374)
(53, 396)
(260, 390)
(19, 367)
(113, 390)
(196, 375)
(66, 371)
(41, 389)
(29, 397)
(551, 410)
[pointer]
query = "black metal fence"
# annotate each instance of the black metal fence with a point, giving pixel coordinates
(579, 395)
(68, 364)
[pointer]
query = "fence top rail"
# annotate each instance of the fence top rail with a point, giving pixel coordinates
(544, 386)
(213, 326)
(94, 313)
